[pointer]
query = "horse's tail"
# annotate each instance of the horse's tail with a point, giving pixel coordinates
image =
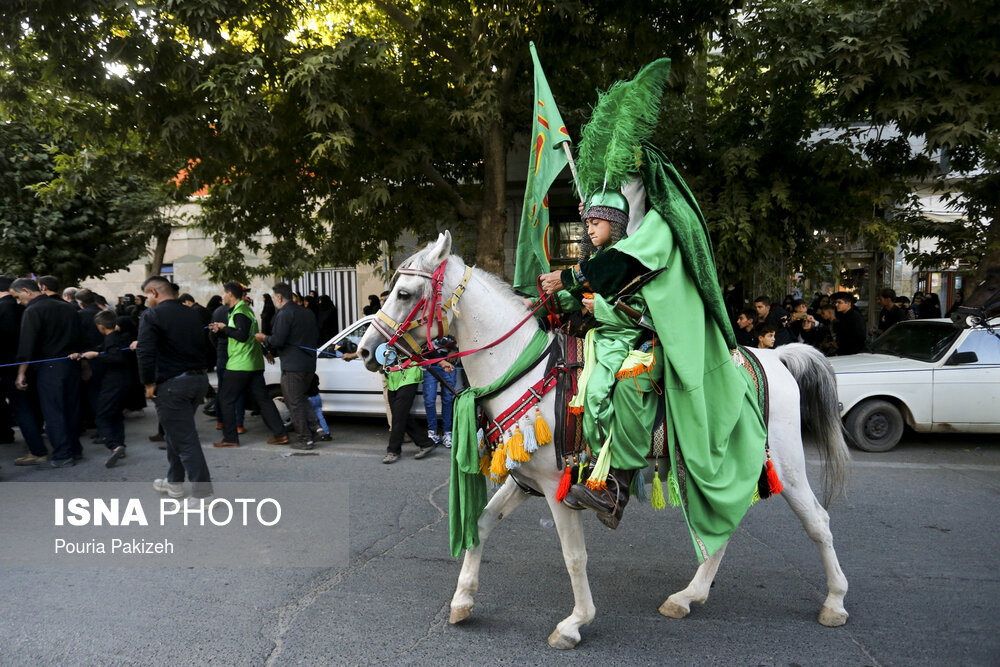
(820, 413)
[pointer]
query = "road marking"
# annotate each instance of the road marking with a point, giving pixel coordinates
(915, 466)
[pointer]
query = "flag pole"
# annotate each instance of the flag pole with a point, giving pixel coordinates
(572, 168)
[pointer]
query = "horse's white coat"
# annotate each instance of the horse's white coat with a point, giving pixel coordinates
(488, 310)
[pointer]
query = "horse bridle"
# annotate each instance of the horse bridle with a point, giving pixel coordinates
(426, 310)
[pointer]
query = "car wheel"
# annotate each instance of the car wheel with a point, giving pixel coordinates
(875, 426)
(280, 405)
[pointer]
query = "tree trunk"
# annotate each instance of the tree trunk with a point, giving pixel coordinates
(492, 223)
(158, 252)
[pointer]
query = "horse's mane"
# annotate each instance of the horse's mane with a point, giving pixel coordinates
(502, 288)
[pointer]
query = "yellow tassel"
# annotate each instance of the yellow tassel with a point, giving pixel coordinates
(658, 501)
(755, 497)
(484, 464)
(515, 446)
(542, 433)
(498, 466)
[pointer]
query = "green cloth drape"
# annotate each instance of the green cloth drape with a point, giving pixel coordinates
(467, 490)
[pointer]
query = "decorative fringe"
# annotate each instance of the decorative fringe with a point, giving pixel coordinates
(576, 409)
(564, 482)
(638, 489)
(755, 498)
(511, 463)
(515, 448)
(576, 403)
(657, 500)
(484, 463)
(773, 483)
(599, 476)
(673, 493)
(498, 465)
(542, 432)
(635, 371)
(530, 443)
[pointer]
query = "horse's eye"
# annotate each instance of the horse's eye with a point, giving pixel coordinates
(403, 295)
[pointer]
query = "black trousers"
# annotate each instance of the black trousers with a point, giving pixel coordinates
(108, 408)
(58, 384)
(400, 402)
(177, 401)
(234, 383)
(23, 411)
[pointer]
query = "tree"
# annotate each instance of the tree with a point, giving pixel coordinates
(104, 225)
(362, 120)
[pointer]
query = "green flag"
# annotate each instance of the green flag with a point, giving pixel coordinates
(546, 159)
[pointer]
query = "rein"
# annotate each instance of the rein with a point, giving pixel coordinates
(434, 308)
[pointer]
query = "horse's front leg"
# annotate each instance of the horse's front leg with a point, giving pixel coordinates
(570, 528)
(503, 502)
(678, 605)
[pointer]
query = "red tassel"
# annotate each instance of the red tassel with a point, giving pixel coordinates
(773, 483)
(564, 483)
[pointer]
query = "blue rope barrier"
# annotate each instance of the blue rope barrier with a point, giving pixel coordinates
(42, 361)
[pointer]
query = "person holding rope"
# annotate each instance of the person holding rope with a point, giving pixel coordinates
(244, 369)
(293, 333)
(50, 332)
(21, 402)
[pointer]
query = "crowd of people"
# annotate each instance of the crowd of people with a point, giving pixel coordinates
(72, 362)
(831, 323)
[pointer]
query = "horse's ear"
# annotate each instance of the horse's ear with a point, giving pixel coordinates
(438, 251)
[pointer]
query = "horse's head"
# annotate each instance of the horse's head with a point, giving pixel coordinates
(982, 304)
(412, 289)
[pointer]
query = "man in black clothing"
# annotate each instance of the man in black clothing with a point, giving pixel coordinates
(849, 329)
(773, 314)
(92, 338)
(745, 322)
(21, 402)
(49, 286)
(50, 331)
(116, 358)
(172, 367)
(890, 313)
(293, 329)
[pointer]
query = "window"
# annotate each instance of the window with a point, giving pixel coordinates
(348, 343)
(984, 344)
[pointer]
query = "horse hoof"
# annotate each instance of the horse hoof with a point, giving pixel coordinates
(560, 641)
(673, 610)
(459, 614)
(831, 618)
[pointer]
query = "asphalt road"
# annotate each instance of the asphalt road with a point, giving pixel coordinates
(916, 537)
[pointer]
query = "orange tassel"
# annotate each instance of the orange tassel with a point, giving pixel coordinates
(564, 483)
(773, 483)
(576, 410)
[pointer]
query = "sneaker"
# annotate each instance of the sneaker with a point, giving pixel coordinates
(172, 489)
(324, 437)
(303, 444)
(31, 460)
(56, 463)
(116, 453)
(156, 437)
(390, 458)
(424, 451)
(98, 440)
(433, 435)
(446, 440)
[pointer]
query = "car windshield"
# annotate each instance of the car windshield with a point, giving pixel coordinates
(923, 341)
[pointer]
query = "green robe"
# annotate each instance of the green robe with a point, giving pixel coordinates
(715, 430)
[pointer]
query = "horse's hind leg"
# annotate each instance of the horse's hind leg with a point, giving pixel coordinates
(570, 528)
(817, 524)
(678, 605)
(503, 502)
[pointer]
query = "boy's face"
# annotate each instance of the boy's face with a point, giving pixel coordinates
(599, 231)
(743, 323)
(801, 308)
(766, 342)
(104, 330)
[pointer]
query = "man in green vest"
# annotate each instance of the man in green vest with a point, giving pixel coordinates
(244, 369)
(402, 389)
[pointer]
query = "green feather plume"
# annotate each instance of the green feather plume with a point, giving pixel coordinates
(625, 116)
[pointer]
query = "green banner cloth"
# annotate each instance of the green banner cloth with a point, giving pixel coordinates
(467, 490)
(546, 159)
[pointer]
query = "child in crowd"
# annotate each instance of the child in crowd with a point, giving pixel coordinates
(116, 358)
(317, 404)
(765, 333)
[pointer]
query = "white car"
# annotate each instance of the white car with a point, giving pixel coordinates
(926, 374)
(346, 387)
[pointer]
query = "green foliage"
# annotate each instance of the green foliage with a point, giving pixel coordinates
(93, 223)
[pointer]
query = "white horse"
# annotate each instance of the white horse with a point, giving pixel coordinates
(489, 308)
